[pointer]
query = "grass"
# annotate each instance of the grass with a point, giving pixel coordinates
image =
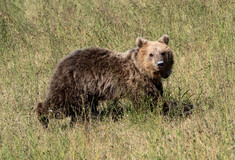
(35, 35)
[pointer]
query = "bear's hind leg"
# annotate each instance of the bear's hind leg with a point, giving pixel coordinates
(74, 119)
(42, 115)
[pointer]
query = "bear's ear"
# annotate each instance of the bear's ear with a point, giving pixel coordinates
(164, 39)
(140, 42)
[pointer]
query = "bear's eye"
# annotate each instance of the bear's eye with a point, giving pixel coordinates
(163, 53)
(150, 55)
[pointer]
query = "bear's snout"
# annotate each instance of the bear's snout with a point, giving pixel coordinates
(160, 64)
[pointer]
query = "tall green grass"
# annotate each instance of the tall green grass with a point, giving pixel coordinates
(36, 34)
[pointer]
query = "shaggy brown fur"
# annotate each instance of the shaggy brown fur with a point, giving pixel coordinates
(86, 77)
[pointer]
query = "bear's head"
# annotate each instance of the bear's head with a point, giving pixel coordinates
(155, 58)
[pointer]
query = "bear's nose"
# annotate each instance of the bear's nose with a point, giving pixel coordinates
(160, 63)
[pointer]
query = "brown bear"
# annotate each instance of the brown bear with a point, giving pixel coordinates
(86, 77)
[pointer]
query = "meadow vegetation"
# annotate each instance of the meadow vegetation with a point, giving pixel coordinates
(36, 34)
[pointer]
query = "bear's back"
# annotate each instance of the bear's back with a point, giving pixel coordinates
(95, 71)
(97, 60)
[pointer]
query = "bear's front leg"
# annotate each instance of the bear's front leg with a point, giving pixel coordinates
(174, 108)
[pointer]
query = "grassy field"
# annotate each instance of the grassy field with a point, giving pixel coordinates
(36, 34)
